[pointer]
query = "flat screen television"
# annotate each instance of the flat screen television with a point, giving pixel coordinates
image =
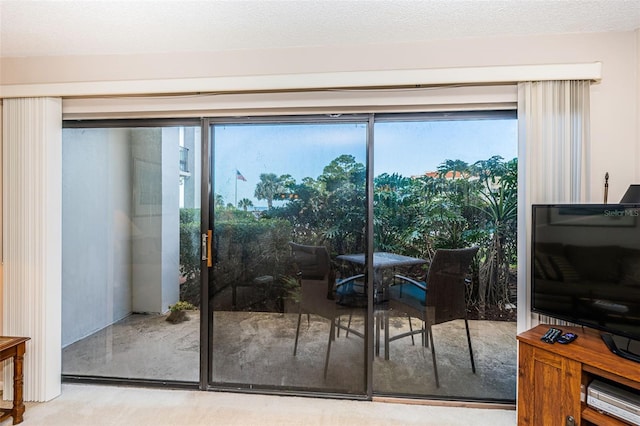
(586, 269)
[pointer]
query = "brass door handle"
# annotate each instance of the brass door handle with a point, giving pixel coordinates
(206, 248)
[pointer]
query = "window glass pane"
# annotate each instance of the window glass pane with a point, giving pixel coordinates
(447, 184)
(280, 321)
(130, 232)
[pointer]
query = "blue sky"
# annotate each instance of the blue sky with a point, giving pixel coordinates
(303, 150)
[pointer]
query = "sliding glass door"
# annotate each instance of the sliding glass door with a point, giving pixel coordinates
(288, 198)
(286, 250)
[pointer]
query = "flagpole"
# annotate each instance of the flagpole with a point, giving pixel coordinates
(235, 203)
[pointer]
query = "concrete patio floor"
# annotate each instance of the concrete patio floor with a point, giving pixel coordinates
(256, 348)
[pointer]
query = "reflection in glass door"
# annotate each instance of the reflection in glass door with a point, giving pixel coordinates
(288, 198)
(130, 255)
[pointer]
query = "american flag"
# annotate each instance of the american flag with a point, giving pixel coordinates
(239, 176)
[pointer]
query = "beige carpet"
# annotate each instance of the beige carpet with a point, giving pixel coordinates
(90, 405)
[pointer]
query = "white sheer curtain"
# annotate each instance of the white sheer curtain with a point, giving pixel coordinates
(554, 140)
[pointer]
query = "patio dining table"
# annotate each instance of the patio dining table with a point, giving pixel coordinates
(381, 261)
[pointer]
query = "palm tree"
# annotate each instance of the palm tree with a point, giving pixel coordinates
(218, 200)
(268, 187)
(245, 203)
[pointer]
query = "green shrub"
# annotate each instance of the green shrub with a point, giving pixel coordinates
(181, 306)
(190, 255)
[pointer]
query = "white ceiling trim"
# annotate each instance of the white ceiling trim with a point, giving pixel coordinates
(312, 81)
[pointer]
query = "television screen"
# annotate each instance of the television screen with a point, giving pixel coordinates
(586, 265)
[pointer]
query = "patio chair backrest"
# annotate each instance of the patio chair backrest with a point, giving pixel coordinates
(311, 261)
(446, 283)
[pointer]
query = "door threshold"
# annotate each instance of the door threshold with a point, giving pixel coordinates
(445, 403)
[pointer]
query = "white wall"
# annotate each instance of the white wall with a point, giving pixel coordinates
(170, 261)
(118, 257)
(614, 99)
(155, 241)
(96, 271)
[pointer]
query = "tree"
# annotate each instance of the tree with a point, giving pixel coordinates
(499, 203)
(343, 169)
(344, 207)
(245, 203)
(474, 205)
(190, 255)
(458, 169)
(394, 218)
(270, 185)
(330, 208)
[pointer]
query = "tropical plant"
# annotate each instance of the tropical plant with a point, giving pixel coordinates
(269, 186)
(456, 168)
(245, 203)
(343, 169)
(181, 306)
(343, 219)
(392, 194)
(247, 247)
(498, 195)
(190, 255)
(178, 313)
(462, 205)
(330, 209)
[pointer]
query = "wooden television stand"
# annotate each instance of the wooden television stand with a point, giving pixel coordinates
(553, 378)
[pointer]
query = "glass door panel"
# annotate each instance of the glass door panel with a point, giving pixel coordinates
(287, 199)
(130, 255)
(447, 184)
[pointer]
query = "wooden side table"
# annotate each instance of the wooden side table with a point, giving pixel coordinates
(14, 347)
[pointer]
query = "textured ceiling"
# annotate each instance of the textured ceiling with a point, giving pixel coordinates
(34, 28)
